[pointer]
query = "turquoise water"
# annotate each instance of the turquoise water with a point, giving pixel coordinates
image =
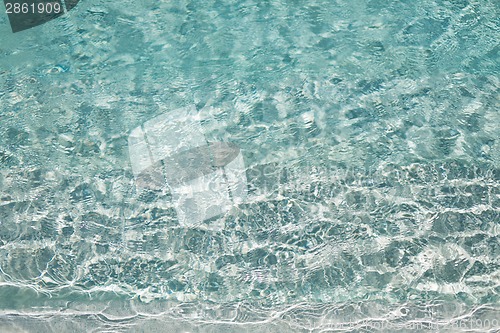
(369, 132)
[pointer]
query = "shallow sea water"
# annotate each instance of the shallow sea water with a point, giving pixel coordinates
(370, 132)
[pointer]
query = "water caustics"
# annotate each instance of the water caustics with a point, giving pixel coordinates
(251, 166)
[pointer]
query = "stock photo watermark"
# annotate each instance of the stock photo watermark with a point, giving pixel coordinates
(205, 179)
(26, 14)
(428, 319)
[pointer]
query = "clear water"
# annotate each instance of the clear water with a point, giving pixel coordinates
(370, 133)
